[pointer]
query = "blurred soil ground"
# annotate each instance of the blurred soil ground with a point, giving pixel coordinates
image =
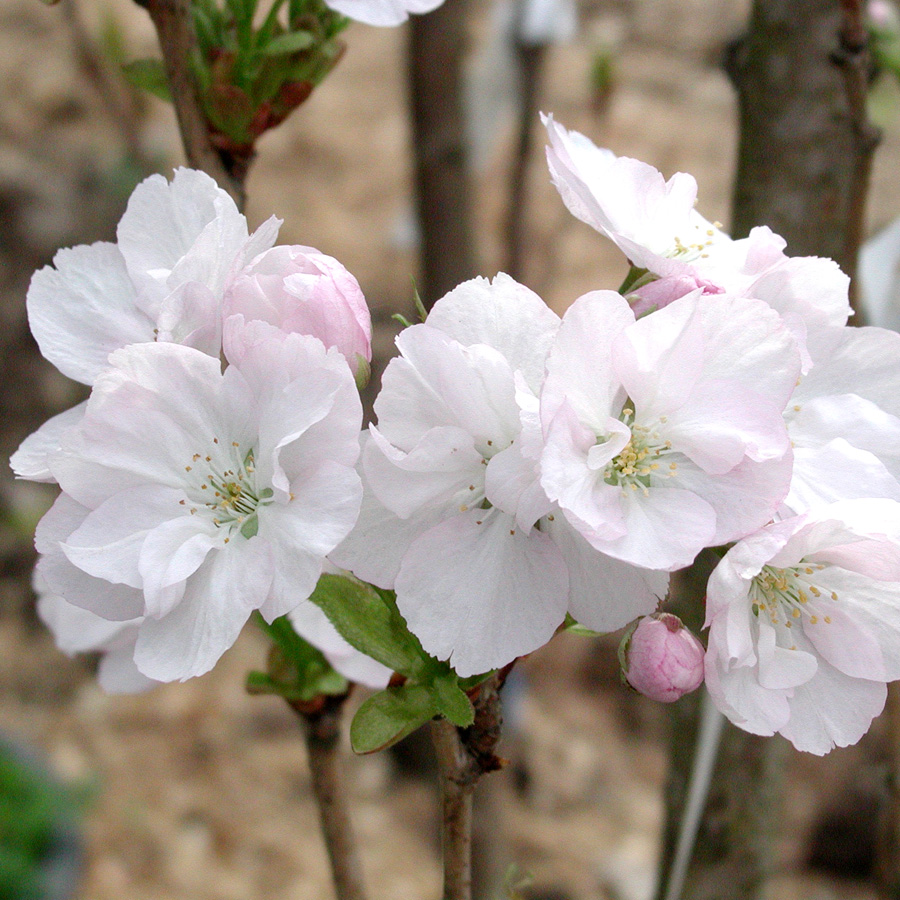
(199, 791)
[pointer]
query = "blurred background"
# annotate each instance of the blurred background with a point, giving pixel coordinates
(200, 791)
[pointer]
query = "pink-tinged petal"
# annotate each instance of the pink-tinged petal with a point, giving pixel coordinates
(512, 484)
(656, 359)
(313, 625)
(504, 315)
(478, 591)
(859, 633)
(723, 423)
(580, 369)
(84, 307)
(190, 315)
(383, 13)
(217, 602)
(837, 471)
(810, 286)
(781, 667)
(605, 594)
(439, 382)
(30, 461)
(568, 479)
(436, 471)
(111, 601)
(664, 530)
(864, 423)
(744, 499)
(109, 541)
(832, 710)
(737, 693)
(169, 555)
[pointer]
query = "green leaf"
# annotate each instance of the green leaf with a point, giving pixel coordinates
(290, 42)
(148, 75)
(368, 621)
(452, 701)
(389, 716)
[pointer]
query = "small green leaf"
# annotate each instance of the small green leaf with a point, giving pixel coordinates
(369, 623)
(451, 701)
(399, 317)
(290, 42)
(389, 716)
(148, 75)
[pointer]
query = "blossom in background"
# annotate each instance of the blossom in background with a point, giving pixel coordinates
(662, 659)
(804, 625)
(383, 12)
(193, 496)
(665, 435)
(654, 223)
(454, 518)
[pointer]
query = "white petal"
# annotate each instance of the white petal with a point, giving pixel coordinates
(482, 594)
(31, 459)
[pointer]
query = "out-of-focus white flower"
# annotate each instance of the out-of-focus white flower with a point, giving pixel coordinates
(193, 496)
(804, 625)
(382, 12)
(662, 659)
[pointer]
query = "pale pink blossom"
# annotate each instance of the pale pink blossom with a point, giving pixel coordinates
(195, 496)
(454, 518)
(663, 660)
(804, 625)
(301, 290)
(665, 435)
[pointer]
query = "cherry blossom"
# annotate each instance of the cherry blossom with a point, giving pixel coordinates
(454, 518)
(383, 12)
(804, 625)
(196, 496)
(665, 435)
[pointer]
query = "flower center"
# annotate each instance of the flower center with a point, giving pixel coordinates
(694, 249)
(641, 458)
(788, 594)
(224, 487)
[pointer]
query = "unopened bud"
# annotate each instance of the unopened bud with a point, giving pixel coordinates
(661, 658)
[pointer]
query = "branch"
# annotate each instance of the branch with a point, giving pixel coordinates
(172, 21)
(322, 729)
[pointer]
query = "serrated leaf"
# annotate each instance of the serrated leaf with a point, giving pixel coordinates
(451, 701)
(370, 624)
(148, 75)
(290, 42)
(389, 716)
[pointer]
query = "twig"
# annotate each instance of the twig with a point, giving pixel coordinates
(172, 21)
(322, 729)
(464, 755)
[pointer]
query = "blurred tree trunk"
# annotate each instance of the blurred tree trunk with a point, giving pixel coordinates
(443, 195)
(804, 156)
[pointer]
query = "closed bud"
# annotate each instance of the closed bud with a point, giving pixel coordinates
(661, 658)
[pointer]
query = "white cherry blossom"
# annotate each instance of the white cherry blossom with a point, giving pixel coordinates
(804, 625)
(197, 496)
(385, 13)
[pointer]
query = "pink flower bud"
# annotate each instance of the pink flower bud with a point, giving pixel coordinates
(662, 659)
(298, 289)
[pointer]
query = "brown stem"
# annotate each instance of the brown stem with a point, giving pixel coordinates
(464, 755)
(172, 20)
(322, 729)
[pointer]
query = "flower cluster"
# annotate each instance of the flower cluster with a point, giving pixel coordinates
(525, 469)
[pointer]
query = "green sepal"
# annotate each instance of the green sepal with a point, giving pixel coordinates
(363, 372)
(289, 42)
(420, 306)
(451, 700)
(296, 669)
(148, 75)
(390, 715)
